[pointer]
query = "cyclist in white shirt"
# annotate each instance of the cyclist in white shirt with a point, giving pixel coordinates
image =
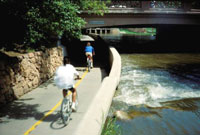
(64, 78)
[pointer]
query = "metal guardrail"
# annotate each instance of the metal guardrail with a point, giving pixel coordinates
(184, 5)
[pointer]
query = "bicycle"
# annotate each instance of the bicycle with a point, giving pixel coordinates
(66, 106)
(89, 63)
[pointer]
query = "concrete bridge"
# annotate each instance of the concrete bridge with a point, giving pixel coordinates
(145, 13)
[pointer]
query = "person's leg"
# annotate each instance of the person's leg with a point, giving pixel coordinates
(87, 56)
(73, 99)
(91, 61)
(64, 93)
(74, 95)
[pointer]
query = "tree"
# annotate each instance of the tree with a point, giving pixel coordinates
(93, 6)
(39, 21)
(53, 18)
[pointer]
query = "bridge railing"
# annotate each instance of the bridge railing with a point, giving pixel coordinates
(182, 5)
(195, 5)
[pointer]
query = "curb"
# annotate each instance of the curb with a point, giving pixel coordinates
(93, 121)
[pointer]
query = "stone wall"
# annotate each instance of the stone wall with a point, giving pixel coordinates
(21, 74)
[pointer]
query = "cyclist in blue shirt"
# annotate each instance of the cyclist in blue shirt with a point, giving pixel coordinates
(89, 50)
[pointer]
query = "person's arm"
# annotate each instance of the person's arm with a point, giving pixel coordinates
(76, 73)
(78, 78)
(93, 52)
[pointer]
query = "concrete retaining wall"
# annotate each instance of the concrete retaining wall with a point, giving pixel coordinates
(94, 119)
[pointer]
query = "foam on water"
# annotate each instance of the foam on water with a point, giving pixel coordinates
(160, 93)
(151, 88)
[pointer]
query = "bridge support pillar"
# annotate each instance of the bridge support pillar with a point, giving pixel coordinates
(187, 5)
(98, 31)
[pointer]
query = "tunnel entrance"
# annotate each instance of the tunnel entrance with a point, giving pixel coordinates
(75, 50)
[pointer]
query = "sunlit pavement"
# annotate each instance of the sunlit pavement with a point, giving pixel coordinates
(37, 112)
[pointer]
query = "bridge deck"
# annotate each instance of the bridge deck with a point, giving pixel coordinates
(27, 115)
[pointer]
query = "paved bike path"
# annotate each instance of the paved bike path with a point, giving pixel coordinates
(27, 115)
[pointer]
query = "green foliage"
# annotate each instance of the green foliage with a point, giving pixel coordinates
(94, 6)
(110, 128)
(148, 31)
(40, 21)
(51, 19)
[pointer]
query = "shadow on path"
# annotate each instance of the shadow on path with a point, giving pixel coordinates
(18, 110)
(23, 109)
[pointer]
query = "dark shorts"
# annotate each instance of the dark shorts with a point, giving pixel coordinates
(71, 89)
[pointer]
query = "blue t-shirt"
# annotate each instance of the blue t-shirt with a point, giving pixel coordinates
(89, 49)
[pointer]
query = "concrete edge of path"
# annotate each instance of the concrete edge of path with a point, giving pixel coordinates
(97, 112)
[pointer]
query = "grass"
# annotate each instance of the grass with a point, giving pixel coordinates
(110, 127)
(149, 31)
(30, 50)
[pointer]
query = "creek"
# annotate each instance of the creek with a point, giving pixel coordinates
(161, 91)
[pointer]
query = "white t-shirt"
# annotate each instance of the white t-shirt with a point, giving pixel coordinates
(64, 76)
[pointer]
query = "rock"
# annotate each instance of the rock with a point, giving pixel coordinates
(27, 72)
(121, 115)
(31, 55)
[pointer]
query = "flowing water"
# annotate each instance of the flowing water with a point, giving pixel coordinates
(160, 92)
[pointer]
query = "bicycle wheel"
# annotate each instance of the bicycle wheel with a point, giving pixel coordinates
(65, 111)
(88, 65)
